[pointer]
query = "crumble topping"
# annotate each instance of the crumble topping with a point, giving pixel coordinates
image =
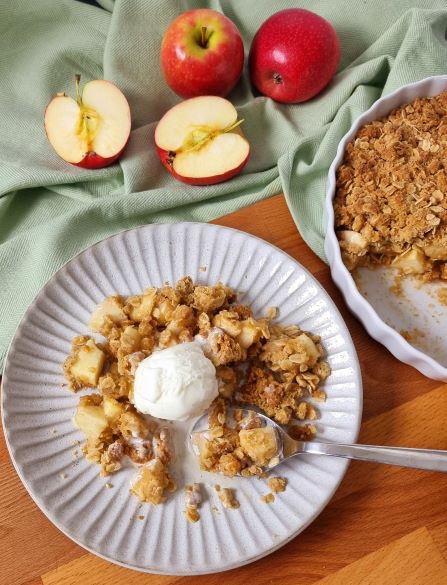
(235, 450)
(442, 295)
(305, 432)
(152, 482)
(268, 498)
(193, 499)
(390, 204)
(274, 367)
(277, 484)
(228, 499)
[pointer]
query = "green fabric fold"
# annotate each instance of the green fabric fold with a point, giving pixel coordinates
(49, 210)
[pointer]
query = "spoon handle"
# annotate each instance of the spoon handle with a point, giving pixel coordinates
(432, 459)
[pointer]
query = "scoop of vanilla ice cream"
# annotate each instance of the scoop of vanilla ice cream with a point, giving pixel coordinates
(175, 383)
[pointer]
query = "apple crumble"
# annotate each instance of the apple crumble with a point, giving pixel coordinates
(277, 368)
(391, 193)
(228, 499)
(193, 499)
(268, 498)
(244, 449)
(277, 484)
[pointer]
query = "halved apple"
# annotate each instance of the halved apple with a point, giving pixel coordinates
(91, 131)
(199, 141)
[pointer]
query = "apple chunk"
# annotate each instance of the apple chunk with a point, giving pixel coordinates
(91, 131)
(88, 363)
(199, 141)
(91, 419)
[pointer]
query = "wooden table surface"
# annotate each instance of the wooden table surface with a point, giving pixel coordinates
(385, 525)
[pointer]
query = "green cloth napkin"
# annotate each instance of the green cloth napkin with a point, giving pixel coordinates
(50, 210)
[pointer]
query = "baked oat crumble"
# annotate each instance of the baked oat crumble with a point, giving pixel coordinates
(228, 499)
(193, 500)
(152, 482)
(391, 193)
(442, 295)
(305, 432)
(268, 498)
(274, 367)
(243, 449)
(277, 484)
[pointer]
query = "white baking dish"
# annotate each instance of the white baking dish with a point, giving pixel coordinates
(385, 315)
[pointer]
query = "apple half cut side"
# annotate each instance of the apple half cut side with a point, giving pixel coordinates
(91, 131)
(199, 141)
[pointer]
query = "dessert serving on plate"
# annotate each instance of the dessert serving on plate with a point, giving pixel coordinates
(100, 512)
(170, 353)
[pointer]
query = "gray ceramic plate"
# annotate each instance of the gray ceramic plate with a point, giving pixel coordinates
(37, 411)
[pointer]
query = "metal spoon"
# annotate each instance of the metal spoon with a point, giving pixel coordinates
(431, 459)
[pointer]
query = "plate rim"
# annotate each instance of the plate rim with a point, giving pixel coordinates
(364, 311)
(152, 570)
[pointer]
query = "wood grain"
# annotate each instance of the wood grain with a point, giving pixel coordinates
(428, 566)
(384, 525)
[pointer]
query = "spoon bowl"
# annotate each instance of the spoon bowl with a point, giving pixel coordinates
(429, 459)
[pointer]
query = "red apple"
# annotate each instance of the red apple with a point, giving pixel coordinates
(91, 131)
(294, 55)
(199, 141)
(202, 54)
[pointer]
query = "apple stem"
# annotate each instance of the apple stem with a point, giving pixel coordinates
(78, 91)
(204, 38)
(233, 126)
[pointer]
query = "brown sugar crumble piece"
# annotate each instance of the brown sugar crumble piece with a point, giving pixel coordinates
(318, 395)
(152, 483)
(391, 192)
(442, 295)
(277, 484)
(268, 498)
(302, 432)
(228, 499)
(413, 335)
(193, 500)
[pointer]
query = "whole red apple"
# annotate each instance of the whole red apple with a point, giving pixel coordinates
(92, 131)
(202, 54)
(294, 55)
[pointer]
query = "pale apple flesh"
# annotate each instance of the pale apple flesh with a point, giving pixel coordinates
(199, 141)
(93, 130)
